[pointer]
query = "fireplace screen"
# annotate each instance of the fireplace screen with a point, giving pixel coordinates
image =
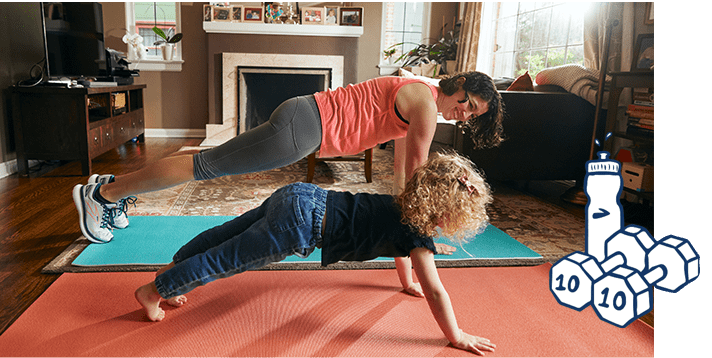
(262, 90)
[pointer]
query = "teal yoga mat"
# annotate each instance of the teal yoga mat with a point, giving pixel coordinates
(152, 240)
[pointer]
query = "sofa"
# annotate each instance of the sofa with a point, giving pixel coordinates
(548, 135)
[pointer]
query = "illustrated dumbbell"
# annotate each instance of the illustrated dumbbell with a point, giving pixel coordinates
(634, 242)
(624, 294)
(571, 278)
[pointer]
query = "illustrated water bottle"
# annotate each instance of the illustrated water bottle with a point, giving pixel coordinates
(604, 216)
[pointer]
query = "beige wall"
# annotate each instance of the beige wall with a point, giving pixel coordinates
(172, 100)
(370, 43)
(442, 13)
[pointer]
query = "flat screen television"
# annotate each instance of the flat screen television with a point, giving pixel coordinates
(74, 40)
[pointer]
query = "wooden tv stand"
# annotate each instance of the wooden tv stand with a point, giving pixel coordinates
(57, 123)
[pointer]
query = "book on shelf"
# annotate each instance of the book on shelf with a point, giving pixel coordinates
(643, 97)
(639, 131)
(638, 114)
(643, 103)
(641, 121)
(641, 108)
(644, 121)
(640, 111)
(644, 126)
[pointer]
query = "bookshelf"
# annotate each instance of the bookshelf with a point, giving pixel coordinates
(620, 81)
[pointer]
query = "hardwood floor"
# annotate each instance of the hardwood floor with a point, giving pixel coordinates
(38, 219)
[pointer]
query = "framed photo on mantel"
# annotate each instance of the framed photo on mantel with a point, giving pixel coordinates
(207, 13)
(351, 16)
(221, 13)
(331, 15)
(312, 16)
(236, 12)
(253, 14)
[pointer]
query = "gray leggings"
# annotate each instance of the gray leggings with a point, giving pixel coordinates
(292, 132)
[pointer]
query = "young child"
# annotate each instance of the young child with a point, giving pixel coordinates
(446, 192)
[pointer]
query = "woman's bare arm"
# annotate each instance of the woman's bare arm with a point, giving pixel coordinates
(416, 104)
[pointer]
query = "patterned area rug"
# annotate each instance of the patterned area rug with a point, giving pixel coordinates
(545, 228)
(234, 195)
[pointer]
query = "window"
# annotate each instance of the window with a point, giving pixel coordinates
(141, 17)
(404, 24)
(529, 36)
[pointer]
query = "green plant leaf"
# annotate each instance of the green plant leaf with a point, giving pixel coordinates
(160, 33)
(175, 38)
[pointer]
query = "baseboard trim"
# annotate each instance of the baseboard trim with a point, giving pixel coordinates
(10, 167)
(174, 133)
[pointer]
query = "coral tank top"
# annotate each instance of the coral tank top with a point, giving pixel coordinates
(361, 116)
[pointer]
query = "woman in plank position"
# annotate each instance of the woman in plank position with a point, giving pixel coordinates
(446, 192)
(344, 121)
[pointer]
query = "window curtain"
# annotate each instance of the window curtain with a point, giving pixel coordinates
(620, 49)
(469, 37)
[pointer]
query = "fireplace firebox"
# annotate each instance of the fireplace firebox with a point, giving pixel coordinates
(262, 90)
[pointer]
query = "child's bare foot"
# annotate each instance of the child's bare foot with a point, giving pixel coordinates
(147, 295)
(177, 301)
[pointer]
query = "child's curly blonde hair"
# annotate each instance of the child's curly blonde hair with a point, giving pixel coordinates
(447, 191)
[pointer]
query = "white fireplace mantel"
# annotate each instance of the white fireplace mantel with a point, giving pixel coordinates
(281, 29)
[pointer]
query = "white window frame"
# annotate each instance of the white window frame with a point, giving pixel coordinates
(154, 63)
(384, 67)
(486, 42)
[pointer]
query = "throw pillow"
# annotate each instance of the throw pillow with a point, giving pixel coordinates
(522, 83)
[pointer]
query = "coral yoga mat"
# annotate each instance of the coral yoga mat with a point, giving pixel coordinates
(315, 313)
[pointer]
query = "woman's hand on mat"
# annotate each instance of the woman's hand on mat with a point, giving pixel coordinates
(445, 249)
(415, 290)
(474, 344)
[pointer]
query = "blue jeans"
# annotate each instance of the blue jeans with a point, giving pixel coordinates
(288, 222)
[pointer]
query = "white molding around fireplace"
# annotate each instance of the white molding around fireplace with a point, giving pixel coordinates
(217, 134)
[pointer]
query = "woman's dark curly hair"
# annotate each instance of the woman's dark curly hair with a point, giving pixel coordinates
(486, 130)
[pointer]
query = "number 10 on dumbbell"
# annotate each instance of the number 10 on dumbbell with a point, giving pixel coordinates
(620, 288)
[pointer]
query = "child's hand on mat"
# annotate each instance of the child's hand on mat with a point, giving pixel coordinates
(444, 249)
(474, 344)
(415, 290)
